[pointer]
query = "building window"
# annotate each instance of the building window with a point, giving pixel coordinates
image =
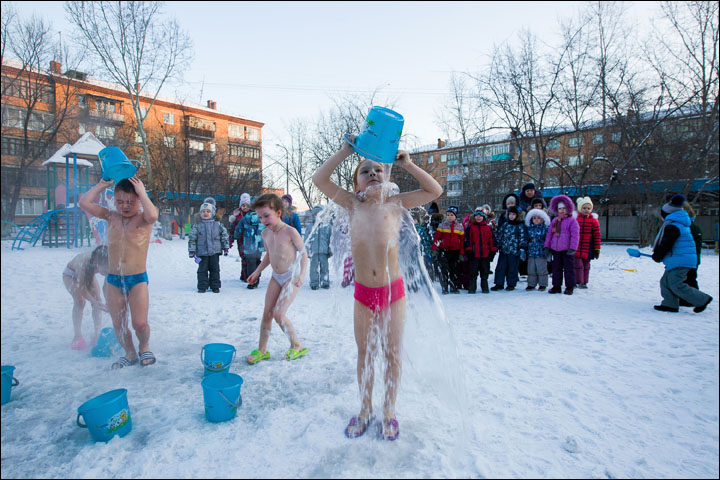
(533, 147)
(18, 87)
(553, 144)
(33, 177)
(14, 146)
(430, 158)
(616, 137)
(453, 158)
(196, 145)
(107, 132)
(443, 172)
(213, 147)
(236, 131)
(574, 160)
(598, 139)
(443, 157)
(169, 141)
(169, 118)
(30, 206)
(253, 134)
(13, 117)
(575, 141)
(245, 151)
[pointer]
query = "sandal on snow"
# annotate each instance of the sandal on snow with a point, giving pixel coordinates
(258, 356)
(123, 362)
(391, 423)
(293, 354)
(147, 356)
(354, 423)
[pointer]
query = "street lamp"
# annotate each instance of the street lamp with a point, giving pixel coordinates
(287, 160)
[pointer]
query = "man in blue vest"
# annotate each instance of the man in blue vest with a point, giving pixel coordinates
(675, 247)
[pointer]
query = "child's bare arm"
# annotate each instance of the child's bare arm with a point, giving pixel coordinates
(328, 187)
(87, 200)
(430, 190)
(263, 264)
(300, 247)
(150, 211)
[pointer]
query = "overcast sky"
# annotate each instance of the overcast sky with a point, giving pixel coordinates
(278, 61)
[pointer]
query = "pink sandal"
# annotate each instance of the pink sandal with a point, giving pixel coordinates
(78, 344)
(394, 423)
(354, 423)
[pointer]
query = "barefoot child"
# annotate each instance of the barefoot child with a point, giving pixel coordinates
(379, 290)
(79, 279)
(282, 244)
(128, 240)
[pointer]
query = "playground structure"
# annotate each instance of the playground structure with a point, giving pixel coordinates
(64, 223)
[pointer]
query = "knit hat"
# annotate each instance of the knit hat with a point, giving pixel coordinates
(208, 206)
(528, 186)
(287, 197)
(537, 200)
(480, 211)
(512, 209)
(582, 201)
(433, 208)
(245, 199)
(676, 203)
(453, 209)
(210, 200)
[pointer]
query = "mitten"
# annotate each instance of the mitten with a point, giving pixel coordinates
(596, 254)
(571, 252)
(523, 254)
(462, 257)
(547, 252)
(191, 254)
(225, 252)
(433, 253)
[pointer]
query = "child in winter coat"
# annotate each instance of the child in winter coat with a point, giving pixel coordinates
(317, 242)
(235, 218)
(479, 244)
(697, 233)
(509, 200)
(537, 223)
(675, 247)
(589, 245)
(448, 245)
(247, 233)
(289, 216)
(208, 238)
(562, 241)
(511, 238)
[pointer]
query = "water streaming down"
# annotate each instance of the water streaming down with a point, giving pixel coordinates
(432, 374)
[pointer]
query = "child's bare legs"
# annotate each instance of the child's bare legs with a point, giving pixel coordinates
(392, 348)
(276, 307)
(78, 305)
(363, 323)
(96, 313)
(117, 307)
(138, 301)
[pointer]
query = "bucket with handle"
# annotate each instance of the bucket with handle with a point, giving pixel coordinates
(380, 138)
(221, 393)
(217, 357)
(8, 381)
(106, 415)
(107, 344)
(115, 165)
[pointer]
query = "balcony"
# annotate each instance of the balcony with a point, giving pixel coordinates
(199, 127)
(106, 115)
(454, 193)
(455, 177)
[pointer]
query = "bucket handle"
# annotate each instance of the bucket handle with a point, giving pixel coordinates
(236, 405)
(138, 163)
(77, 420)
(14, 382)
(202, 360)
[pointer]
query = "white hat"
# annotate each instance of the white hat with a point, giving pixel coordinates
(208, 206)
(245, 198)
(582, 201)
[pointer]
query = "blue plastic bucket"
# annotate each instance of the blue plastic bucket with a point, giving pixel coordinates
(380, 138)
(8, 381)
(222, 396)
(217, 357)
(107, 344)
(106, 415)
(115, 165)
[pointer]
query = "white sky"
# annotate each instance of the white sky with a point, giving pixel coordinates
(275, 62)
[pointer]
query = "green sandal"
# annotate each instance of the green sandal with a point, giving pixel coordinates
(293, 354)
(258, 356)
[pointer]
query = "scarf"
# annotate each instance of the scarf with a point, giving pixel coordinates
(556, 227)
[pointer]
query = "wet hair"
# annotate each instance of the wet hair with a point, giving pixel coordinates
(98, 256)
(268, 200)
(355, 173)
(124, 185)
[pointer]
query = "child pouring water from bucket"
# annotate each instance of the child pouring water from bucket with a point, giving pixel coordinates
(379, 289)
(282, 244)
(79, 279)
(129, 233)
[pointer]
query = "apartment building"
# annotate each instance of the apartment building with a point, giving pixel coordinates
(194, 148)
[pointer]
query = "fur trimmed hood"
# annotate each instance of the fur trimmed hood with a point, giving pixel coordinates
(569, 204)
(536, 213)
(593, 215)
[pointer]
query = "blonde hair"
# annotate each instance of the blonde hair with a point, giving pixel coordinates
(689, 209)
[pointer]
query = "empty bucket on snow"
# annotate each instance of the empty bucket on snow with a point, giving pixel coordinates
(8, 381)
(221, 393)
(217, 357)
(107, 343)
(106, 415)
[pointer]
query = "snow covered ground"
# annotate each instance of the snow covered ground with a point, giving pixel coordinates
(511, 384)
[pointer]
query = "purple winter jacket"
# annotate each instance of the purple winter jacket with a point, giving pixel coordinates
(569, 237)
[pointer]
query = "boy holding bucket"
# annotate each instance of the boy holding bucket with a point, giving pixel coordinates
(379, 289)
(129, 233)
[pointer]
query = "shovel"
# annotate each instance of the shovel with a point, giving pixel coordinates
(634, 252)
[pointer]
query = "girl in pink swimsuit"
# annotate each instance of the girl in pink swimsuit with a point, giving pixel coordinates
(379, 313)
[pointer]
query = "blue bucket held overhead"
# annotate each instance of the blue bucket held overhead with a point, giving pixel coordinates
(8, 381)
(115, 165)
(221, 393)
(217, 357)
(106, 415)
(380, 138)
(107, 344)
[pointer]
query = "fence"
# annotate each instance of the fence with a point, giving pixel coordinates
(625, 228)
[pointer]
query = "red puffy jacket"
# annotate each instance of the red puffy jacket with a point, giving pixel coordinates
(480, 238)
(449, 237)
(589, 235)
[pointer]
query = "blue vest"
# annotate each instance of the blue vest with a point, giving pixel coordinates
(683, 253)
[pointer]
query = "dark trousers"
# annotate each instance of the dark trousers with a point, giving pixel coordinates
(507, 267)
(483, 266)
(208, 272)
(449, 269)
(250, 264)
(691, 278)
(523, 267)
(563, 263)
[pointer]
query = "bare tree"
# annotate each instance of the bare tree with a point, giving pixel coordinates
(36, 102)
(134, 47)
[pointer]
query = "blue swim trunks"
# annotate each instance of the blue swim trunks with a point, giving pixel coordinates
(126, 282)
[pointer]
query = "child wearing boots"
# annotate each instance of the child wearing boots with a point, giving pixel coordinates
(561, 242)
(317, 243)
(511, 238)
(249, 237)
(448, 245)
(537, 223)
(208, 238)
(589, 245)
(481, 250)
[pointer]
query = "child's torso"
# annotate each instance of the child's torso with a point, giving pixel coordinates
(280, 247)
(128, 241)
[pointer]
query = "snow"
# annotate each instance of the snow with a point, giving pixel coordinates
(510, 384)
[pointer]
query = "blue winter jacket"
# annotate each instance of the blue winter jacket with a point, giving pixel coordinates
(536, 244)
(674, 244)
(293, 221)
(511, 237)
(248, 231)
